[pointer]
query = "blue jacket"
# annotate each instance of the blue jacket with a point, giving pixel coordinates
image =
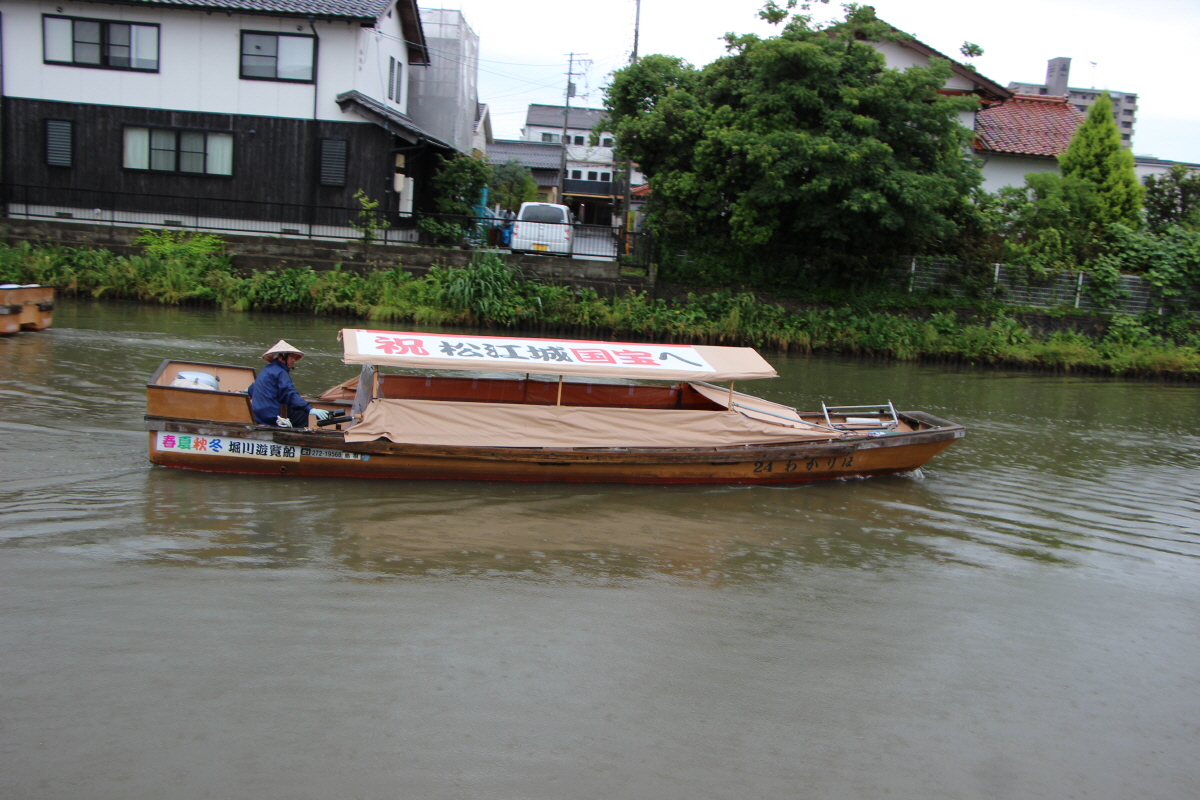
(270, 390)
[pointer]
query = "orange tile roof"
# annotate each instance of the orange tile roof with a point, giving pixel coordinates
(1028, 124)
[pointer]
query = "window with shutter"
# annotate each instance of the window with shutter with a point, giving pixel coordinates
(333, 162)
(59, 149)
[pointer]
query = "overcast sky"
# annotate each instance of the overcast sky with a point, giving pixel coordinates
(1143, 47)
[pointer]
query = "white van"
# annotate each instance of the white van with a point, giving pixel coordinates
(542, 228)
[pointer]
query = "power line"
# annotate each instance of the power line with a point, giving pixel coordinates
(383, 35)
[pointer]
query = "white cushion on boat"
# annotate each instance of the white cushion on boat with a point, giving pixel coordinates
(197, 380)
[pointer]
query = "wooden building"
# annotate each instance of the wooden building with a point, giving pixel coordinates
(274, 110)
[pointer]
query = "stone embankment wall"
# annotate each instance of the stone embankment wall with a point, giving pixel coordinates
(250, 253)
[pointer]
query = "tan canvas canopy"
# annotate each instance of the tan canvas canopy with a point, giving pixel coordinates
(468, 424)
(437, 351)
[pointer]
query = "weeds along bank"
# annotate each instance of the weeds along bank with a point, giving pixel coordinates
(176, 269)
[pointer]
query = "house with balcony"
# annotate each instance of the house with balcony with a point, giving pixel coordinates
(591, 183)
(178, 112)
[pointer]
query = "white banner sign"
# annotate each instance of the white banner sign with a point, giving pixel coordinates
(510, 354)
(225, 446)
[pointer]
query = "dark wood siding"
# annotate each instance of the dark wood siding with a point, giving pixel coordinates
(276, 164)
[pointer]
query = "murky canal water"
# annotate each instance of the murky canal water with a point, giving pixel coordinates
(1020, 621)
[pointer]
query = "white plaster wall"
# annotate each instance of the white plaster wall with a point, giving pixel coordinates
(1145, 166)
(199, 58)
(370, 59)
(900, 57)
(590, 166)
(589, 157)
(533, 133)
(1007, 170)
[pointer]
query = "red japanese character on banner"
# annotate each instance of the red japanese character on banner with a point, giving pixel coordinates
(200, 444)
(395, 346)
(594, 356)
(635, 357)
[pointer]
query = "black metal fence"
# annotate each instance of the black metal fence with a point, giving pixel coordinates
(308, 221)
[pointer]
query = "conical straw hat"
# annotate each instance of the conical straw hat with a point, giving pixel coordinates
(281, 347)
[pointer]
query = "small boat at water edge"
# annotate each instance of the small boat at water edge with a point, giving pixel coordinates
(29, 307)
(492, 420)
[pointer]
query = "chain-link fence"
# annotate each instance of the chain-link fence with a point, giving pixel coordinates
(1015, 286)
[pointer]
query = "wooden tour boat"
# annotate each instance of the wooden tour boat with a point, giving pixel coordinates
(29, 308)
(495, 421)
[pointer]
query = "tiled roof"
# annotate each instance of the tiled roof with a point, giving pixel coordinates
(552, 116)
(387, 118)
(354, 9)
(545, 177)
(535, 155)
(1030, 125)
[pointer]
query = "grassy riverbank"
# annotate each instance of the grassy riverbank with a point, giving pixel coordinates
(181, 270)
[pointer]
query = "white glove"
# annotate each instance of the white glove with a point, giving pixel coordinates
(283, 422)
(320, 413)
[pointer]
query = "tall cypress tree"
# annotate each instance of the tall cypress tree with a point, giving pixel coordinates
(1096, 156)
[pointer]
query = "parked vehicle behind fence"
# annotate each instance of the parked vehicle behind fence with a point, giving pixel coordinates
(542, 228)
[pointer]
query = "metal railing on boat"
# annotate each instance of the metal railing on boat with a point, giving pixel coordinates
(853, 423)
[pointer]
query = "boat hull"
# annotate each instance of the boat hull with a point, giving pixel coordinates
(29, 308)
(320, 454)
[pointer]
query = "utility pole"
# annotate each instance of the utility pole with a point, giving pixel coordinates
(562, 165)
(637, 22)
(625, 218)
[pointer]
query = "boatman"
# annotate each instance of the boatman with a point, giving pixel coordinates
(273, 398)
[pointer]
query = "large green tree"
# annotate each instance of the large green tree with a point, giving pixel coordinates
(795, 150)
(1097, 156)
